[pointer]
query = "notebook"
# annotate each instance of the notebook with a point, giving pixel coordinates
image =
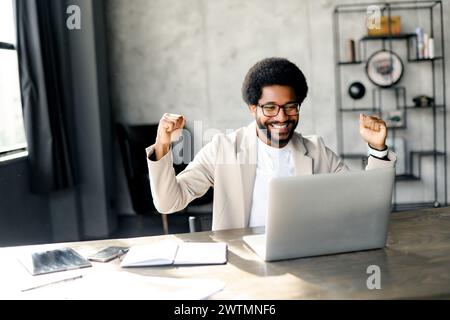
(187, 253)
(42, 262)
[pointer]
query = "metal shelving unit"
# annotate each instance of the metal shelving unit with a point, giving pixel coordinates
(435, 66)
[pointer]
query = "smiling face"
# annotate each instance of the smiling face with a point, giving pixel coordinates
(275, 131)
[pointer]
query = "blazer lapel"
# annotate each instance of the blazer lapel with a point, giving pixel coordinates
(302, 162)
(247, 157)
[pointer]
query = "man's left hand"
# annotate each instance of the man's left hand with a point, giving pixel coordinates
(373, 131)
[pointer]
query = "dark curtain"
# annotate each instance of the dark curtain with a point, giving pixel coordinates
(45, 86)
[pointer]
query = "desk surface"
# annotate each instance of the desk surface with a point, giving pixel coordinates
(414, 264)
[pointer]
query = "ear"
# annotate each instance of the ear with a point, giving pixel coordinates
(252, 109)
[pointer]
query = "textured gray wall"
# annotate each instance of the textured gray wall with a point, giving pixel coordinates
(190, 57)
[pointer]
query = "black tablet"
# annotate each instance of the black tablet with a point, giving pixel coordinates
(53, 261)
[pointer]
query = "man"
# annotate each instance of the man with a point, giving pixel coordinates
(238, 165)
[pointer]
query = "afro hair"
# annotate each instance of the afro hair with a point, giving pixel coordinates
(273, 71)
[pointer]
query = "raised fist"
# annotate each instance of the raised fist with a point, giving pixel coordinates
(373, 131)
(169, 128)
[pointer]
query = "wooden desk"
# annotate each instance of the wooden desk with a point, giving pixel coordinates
(414, 264)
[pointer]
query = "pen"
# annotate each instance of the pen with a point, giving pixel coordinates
(53, 282)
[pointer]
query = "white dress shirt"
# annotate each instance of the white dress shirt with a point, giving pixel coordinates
(272, 162)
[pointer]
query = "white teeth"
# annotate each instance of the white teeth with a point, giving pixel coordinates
(276, 126)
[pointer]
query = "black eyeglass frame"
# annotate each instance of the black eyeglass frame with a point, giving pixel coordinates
(279, 108)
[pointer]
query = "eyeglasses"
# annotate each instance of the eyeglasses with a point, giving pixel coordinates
(272, 109)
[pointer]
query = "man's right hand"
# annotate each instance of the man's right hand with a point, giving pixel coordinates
(169, 130)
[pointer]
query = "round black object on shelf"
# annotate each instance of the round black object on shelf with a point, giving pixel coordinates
(356, 90)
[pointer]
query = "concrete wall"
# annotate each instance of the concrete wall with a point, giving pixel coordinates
(190, 57)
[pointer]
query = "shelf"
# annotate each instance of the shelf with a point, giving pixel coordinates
(362, 7)
(423, 153)
(389, 37)
(344, 63)
(425, 60)
(406, 177)
(422, 166)
(438, 106)
(396, 128)
(359, 109)
(412, 205)
(427, 153)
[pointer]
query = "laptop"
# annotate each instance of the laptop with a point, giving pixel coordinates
(325, 214)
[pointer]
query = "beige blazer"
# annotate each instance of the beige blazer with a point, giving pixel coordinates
(228, 163)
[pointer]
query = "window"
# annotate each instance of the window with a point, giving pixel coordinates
(12, 133)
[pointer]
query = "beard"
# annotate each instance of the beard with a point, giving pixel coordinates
(278, 137)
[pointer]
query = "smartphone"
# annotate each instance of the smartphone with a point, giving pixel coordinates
(107, 254)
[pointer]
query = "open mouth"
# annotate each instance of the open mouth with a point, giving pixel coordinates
(280, 127)
(277, 131)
